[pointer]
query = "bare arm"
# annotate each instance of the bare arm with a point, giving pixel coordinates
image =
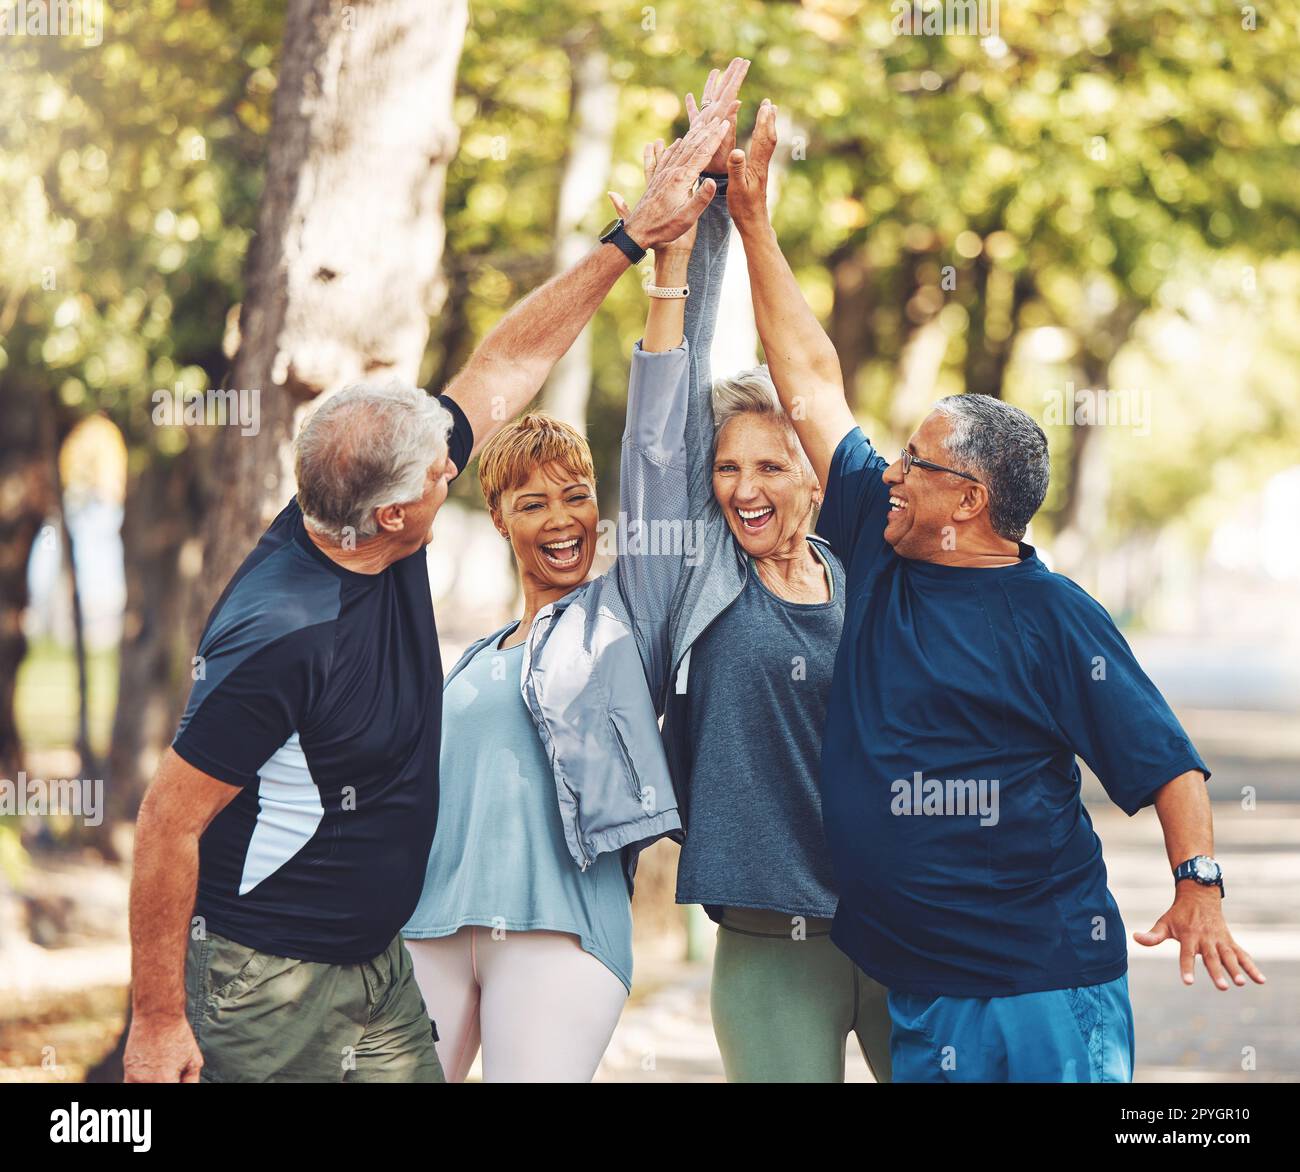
(665, 320)
(666, 324)
(1196, 918)
(513, 361)
(804, 366)
(180, 804)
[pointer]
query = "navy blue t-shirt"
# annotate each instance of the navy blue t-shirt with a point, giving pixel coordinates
(966, 863)
(321, 697)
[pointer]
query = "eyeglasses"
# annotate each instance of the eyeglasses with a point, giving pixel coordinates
(910, 460)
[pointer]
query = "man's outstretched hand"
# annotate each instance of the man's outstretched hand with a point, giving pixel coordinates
(1196, 921)
(713, 120)
(672, 203)
(747, 172)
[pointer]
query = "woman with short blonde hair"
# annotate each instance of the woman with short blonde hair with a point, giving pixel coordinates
(553, 772)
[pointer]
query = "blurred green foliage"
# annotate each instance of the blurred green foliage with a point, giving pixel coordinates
(1117, 170)
(47, 678)
(1094, 163)
(129, 187)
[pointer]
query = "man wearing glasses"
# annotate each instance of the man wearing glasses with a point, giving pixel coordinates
(968, 677)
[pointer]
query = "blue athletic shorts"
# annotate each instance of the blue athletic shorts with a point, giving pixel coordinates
(1063, 1035)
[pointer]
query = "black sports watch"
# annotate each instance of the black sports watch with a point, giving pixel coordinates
(1203, 870)
(617, 235)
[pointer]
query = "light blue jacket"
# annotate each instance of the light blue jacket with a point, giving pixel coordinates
(599, 664)
(595, 664)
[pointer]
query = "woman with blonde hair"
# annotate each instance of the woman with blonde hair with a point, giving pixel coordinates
(553, 772)
(754, 633)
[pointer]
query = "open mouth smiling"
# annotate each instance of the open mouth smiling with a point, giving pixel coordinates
(563, 555)
(754, 519)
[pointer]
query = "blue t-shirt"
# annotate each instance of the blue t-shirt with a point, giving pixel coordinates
(320, 696)
(966, 863)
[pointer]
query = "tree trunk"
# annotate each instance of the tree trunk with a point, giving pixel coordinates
(160, 515)
(593, 115)
(994, 313)
(27, 499)
(455, 335)
(850, 324)
(1080, 517)
(343, 273)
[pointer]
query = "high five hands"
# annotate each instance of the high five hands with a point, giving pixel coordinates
(720, 90)
(747, 172)
(672, 203)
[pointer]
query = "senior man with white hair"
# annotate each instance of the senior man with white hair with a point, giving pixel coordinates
(300, 796)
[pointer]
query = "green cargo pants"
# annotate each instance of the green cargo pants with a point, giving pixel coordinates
(264, 1018)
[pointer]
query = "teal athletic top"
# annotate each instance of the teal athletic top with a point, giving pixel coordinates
(499, 858)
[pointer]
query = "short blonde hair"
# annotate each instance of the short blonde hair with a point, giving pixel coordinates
(752, 392)
(529, 442)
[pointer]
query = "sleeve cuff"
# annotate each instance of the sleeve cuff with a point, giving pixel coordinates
(213, 768)
(1174, 770)
(460, 440)
(656, 400)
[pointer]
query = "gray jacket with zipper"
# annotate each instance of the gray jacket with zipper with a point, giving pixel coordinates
(595, 662)
(599, 664)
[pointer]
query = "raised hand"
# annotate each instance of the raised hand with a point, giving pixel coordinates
(651, 157)
(720, 92)
(747, 172)
(671, 202)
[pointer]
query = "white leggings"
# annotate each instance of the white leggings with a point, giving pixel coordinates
(542, 1008)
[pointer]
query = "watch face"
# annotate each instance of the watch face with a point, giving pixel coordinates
(1206, 869)
(612, 226)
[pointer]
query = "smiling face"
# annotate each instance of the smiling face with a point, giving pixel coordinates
(550, 520)
(926, 506)
(760, 480)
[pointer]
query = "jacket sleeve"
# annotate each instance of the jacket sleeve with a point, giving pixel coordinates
(653, 502)
(708, 263)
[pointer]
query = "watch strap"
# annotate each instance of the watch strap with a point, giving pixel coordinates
(1187, 870)
(618, 237)
(667, 292)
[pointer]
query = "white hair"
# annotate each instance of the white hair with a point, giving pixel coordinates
(365, 447)
(752, 392)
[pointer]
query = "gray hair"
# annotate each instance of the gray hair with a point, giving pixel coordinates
(1007, 450)
(752, 392)
(365, 447)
